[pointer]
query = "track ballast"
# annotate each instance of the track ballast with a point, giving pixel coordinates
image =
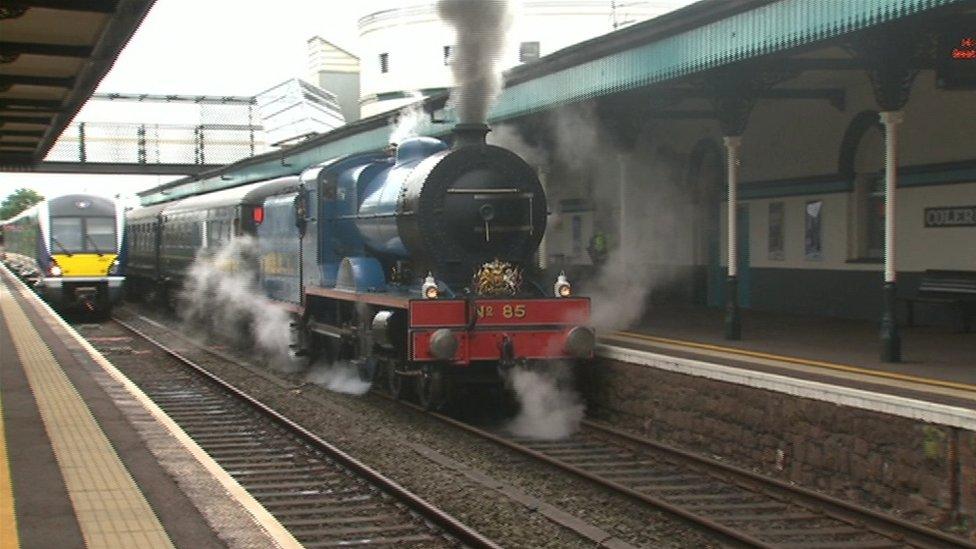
(323, 496)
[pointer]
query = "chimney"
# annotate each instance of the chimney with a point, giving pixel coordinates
(470, 133)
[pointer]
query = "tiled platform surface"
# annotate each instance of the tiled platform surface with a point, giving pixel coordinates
(937, 352)
(87, 461)
(110, 508)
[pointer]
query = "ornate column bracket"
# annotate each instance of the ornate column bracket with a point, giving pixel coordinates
(734, 92)
(893, 57)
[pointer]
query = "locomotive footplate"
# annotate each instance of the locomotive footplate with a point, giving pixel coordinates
(461, 331)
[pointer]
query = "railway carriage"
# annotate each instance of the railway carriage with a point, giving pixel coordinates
(165, 239)
(69, 249)
(417, 267)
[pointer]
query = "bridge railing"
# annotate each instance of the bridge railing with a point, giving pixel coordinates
(127, 143)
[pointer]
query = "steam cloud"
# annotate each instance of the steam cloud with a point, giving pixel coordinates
(221, 297)
(411, 121)
(480, 27)
(340, 377)
(550, 409)
(647, 255)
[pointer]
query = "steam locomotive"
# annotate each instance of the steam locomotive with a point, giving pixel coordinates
(416, 266)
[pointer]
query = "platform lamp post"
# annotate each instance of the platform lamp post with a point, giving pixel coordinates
(733, 323)
(890, 339)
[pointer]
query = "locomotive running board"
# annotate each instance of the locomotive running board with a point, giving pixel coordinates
(382, 300)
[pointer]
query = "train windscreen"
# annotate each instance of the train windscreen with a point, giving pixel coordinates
(83, 235)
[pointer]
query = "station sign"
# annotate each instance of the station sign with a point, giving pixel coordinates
(956, 55)
(951, 216)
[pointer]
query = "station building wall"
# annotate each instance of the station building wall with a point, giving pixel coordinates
(791, 155)
(665, 212)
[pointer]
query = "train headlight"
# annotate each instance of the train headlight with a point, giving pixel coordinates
(429, 289)
(113, 269)
(54, 270)
(562, 287)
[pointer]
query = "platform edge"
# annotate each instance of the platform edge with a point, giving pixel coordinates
(929, 412)
(274, 530)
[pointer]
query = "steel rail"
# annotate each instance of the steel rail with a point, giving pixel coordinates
(726, 533)
(876, 521)
(448, 523)
(864, 518)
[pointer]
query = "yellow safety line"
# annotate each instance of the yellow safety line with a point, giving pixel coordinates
(280, 537)
(110, 508)
(8, 516)
(800, 361)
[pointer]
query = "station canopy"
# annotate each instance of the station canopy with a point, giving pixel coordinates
(53, 54)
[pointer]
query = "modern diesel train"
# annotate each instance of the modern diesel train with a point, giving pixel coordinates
(68, 248)
(415, 266)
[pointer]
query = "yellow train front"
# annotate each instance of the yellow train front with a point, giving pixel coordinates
(68, 248)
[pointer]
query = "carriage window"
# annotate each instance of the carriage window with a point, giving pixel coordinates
(101, 234)
(66, 235)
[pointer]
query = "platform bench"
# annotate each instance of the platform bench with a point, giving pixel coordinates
(956, 289)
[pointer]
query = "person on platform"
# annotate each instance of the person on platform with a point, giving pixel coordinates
(598, 248)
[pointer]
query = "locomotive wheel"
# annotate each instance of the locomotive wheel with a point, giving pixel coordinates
(432, 387)
(395, 383)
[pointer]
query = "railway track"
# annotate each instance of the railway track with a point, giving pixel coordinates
(737, 505)
(323, 496)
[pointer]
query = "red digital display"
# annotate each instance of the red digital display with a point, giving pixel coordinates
(956, 59)
(966, 49)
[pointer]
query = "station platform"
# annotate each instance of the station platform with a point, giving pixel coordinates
(87, 460)
(939, 364)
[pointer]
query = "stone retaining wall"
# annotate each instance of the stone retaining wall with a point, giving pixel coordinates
(892, 463)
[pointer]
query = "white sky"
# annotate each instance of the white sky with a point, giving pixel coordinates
(208, 47)
(212, 47)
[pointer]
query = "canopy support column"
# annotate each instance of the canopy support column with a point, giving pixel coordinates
(733, 323)
(890, 339)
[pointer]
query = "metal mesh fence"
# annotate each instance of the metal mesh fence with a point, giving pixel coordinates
(122, 143)
(214, 133)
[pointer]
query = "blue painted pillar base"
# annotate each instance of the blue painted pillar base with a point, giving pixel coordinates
(890, 340)
(733, 322)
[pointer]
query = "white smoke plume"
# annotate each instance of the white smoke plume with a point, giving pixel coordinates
(411, 121)
(340, 377)
(480, 27)
(549, 407)
(654, 203)
(221, 297)
(508, 137)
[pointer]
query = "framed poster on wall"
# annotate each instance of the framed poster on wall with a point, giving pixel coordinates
(813, 231)
(775, 240)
